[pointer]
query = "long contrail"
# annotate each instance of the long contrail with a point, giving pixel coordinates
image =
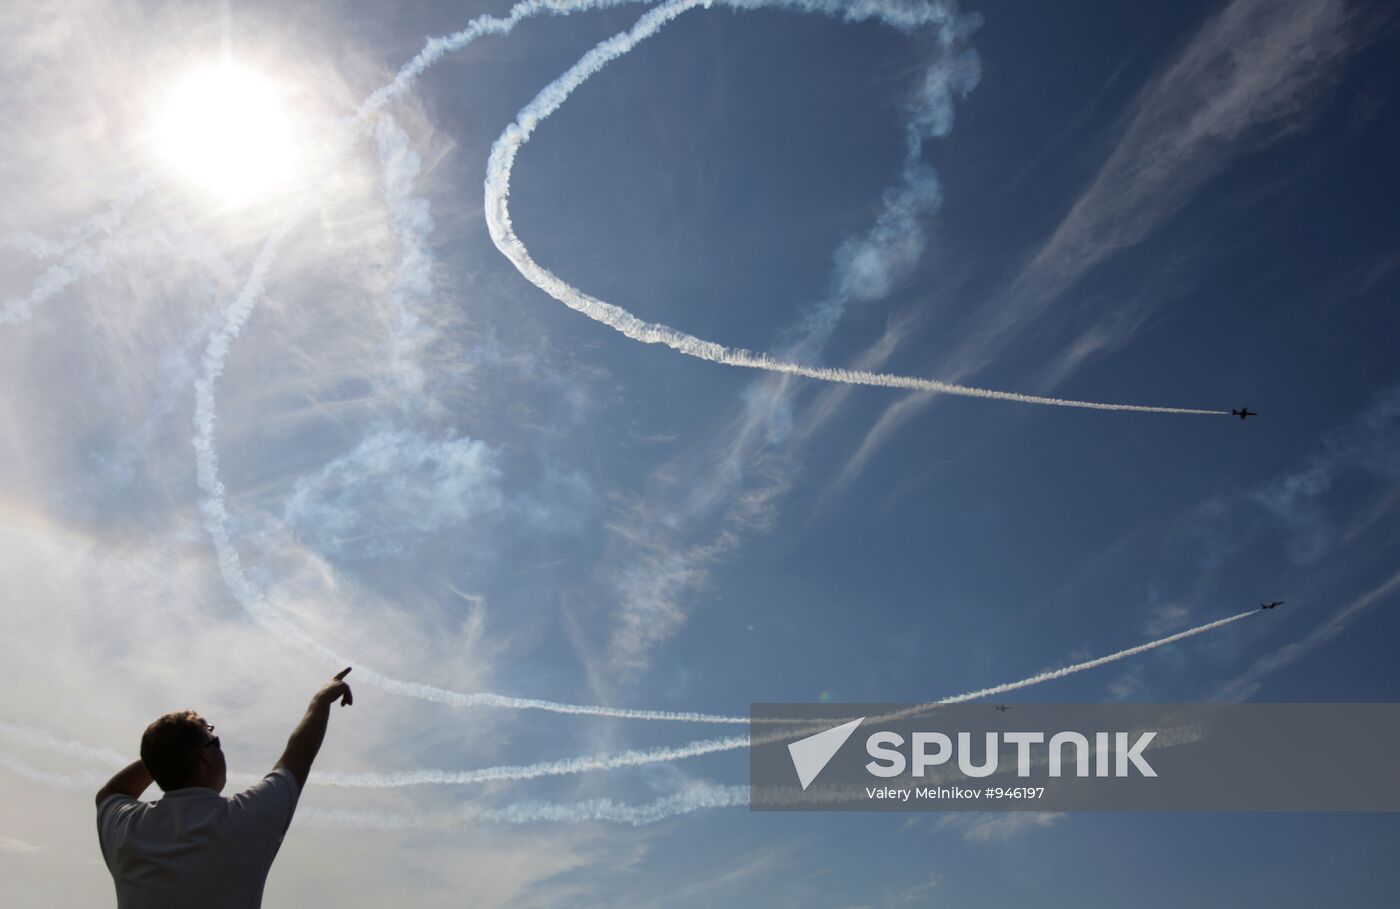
(712, 746)
(1063, 671)
(608, 761)
(498, 175)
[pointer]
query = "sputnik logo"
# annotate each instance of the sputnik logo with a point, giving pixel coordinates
(812, 754)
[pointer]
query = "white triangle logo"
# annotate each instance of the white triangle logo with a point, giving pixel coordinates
(813, 753)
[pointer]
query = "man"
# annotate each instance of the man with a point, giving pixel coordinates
(194, 847)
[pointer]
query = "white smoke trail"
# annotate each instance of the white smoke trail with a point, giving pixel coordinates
(637, 757)
(1063, 671)
(104, 222)
(71, 781)
(693, 798)
(38, 738)
(80, 262)
(552, 96)
(79, 257)
(610, 761)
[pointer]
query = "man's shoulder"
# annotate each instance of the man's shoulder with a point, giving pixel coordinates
(269, 802)
(115, 798)
(116, 814)
(118, 804)
(279, 781)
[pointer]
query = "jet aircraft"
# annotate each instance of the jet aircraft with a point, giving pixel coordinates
(1244, 413)
(1271, 605)
(1003, 708)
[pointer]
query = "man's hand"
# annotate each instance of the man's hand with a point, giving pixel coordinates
(305, 742)
(130, 782)
(335, 688)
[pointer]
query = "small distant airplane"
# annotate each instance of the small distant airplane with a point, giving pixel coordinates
(1003, 708)
(1271, 605)
(1244, 414)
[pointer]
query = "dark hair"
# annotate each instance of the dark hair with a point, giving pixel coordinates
(170, 748)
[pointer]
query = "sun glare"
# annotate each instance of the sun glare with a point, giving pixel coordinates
(223, 129)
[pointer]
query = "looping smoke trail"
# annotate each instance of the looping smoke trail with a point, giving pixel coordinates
(552, 96)
(903, 16)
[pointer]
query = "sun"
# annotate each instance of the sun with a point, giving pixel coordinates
(223, 129)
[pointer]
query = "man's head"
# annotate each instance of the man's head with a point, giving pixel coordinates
(181, 750)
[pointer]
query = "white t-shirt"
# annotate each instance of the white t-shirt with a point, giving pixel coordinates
(194, 847)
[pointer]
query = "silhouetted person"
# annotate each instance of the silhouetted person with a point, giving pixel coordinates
(195, 848)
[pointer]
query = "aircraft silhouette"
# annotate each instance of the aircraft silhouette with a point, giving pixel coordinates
(1271, 605)
(1003, 708)
(1244, 413)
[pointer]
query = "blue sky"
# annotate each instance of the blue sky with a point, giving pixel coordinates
(433, 468)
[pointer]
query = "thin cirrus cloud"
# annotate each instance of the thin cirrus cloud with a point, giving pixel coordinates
(1299, 501)
(393, 487)
(1247, 78)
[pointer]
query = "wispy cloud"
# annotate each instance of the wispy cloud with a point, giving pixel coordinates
(918, 893)
(1244, 685)
(1299, 500)
(999, 828)
(394, 486)
(1249, 76)
(1166, 617)
(12, 844)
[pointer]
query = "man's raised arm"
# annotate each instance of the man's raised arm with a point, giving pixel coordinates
(306, 740)
(129, 782)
